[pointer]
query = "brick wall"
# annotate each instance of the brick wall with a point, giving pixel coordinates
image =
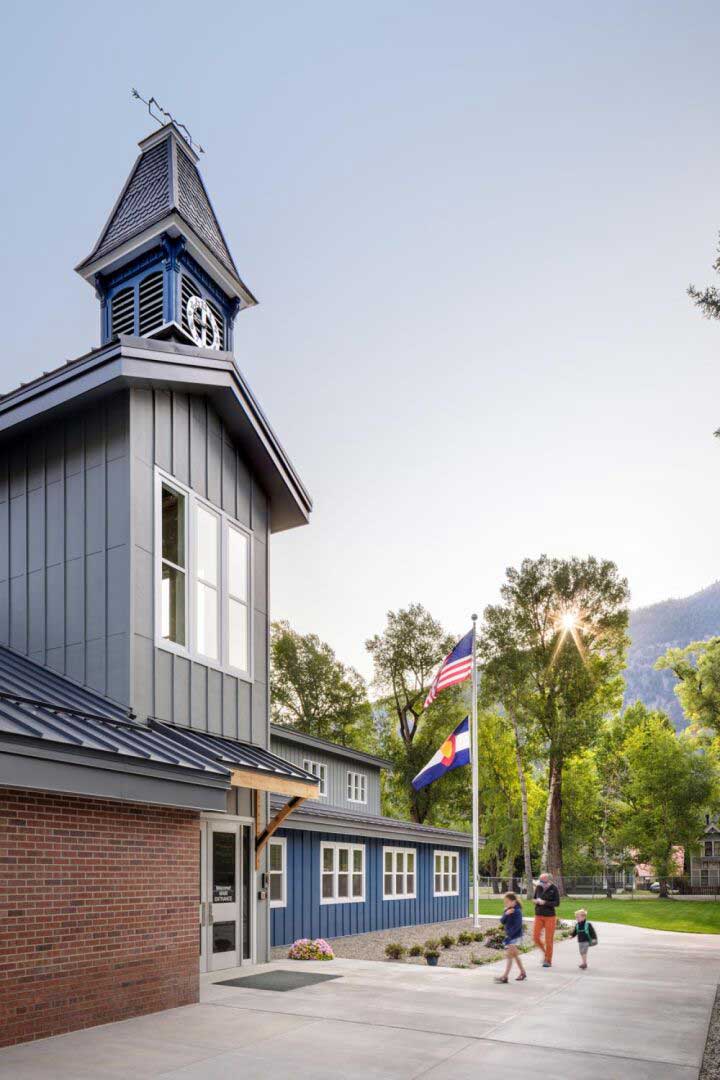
(98, 912)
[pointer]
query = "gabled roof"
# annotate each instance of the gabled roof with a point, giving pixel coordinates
(290, 734)
(164, 186)
(136, 361)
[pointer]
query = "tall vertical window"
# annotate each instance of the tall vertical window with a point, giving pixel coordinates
(174, 567)
(203, 580)
(207, 581)
(238, 549)
(277, 876)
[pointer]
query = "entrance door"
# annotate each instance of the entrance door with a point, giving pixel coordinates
(226, 894)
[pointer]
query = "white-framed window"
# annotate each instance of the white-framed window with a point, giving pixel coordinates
(319, 769)
(277, 871)
(173, 565)
(399, 873)
(203, 580)
(445, 878)
(356, 787)
(342, 873)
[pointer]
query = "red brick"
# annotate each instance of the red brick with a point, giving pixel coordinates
(98, 912)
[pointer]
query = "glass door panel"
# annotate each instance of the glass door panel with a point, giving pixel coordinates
(224, 904)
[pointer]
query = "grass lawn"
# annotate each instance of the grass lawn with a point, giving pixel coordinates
(689, 916)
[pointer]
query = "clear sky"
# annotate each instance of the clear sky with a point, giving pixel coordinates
(470, 227)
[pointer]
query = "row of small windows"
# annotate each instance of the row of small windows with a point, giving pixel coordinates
(356, 782)
(208, 324)
(342, 873)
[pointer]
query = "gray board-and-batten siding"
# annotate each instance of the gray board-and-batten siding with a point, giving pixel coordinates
(305, 916)
(76, 529)
(336, 777)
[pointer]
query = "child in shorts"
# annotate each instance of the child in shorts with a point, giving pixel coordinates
(584, 931)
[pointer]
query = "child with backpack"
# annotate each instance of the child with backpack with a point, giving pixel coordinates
(584, 931)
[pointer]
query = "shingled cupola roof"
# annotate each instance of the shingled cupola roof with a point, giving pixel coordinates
(164, 193)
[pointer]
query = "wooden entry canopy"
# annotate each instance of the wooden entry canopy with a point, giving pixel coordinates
(248, 766)
(298, 790)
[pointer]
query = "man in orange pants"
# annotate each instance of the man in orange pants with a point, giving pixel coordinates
(546, 899)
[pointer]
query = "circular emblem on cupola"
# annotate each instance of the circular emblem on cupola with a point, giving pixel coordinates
(202, 323)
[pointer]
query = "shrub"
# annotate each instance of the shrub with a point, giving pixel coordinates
(447, 940)
(478, 935)
(475, 959)
(496, 938)
(432, 944)
(394, 950)
(432, 953)
(416, 950)
(465, 937)
(307, 949)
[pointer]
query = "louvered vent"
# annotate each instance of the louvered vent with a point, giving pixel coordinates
(151, 302)
(188, 288)
(220, 321)
(123, 312)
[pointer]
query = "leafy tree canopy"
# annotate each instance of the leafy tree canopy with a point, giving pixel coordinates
(314, 692)
(697, 668)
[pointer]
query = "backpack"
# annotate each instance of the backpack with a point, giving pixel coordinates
(592, 935)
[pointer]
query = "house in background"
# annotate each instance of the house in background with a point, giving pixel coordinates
(337, 866)
(705, 860)
(139, 486)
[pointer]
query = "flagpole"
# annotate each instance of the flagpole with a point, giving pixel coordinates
(475, 772)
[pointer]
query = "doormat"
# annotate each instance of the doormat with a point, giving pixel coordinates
(278, 980)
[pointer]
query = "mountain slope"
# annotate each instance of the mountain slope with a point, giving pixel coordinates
(671, 623)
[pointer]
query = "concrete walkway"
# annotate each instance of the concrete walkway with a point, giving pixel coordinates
(640, 1012)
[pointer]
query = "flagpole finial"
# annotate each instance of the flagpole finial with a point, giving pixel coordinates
(474, 618)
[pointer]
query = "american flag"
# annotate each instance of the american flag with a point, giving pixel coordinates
(456, 668)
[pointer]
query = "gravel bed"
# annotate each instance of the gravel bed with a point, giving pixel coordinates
(711, 1061)
(371, 946)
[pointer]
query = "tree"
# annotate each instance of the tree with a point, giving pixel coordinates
(510, 800)
(697, 668)
(405, 657)
(556, 647)
(314, 692)
(670, 781)
(708, 300)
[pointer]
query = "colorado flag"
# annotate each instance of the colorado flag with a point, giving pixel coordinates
(453, 753)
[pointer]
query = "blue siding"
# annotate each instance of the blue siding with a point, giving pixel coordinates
(305, 916)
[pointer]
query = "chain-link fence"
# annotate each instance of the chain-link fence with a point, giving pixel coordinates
(616, 886)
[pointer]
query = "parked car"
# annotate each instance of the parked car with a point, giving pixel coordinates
(655, 887)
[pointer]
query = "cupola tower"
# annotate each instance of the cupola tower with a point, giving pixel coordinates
(161, 267)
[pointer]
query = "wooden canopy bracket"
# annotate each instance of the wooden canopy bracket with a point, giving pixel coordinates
(274, 825)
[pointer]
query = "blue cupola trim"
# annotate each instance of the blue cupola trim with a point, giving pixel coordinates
(145, 296)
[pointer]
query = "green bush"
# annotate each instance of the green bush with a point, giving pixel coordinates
(447, 941)
(432, 952)
(496, 938)
(394, 950)
(416, 950)
(432, 944)
(478, 935)
(465, 937)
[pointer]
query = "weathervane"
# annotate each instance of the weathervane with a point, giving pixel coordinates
(166, 116)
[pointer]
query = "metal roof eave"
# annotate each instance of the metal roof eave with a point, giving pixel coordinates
(136, 361)
(280, 731)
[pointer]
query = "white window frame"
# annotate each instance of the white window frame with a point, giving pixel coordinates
(226, 522)
(356, 783)
(166, 643)
(319, 770)
(281, 842)
(453, 871)
(708, 849)
(335, 847)
(399, 855)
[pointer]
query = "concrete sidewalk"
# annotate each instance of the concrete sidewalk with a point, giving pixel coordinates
(641, 1011)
